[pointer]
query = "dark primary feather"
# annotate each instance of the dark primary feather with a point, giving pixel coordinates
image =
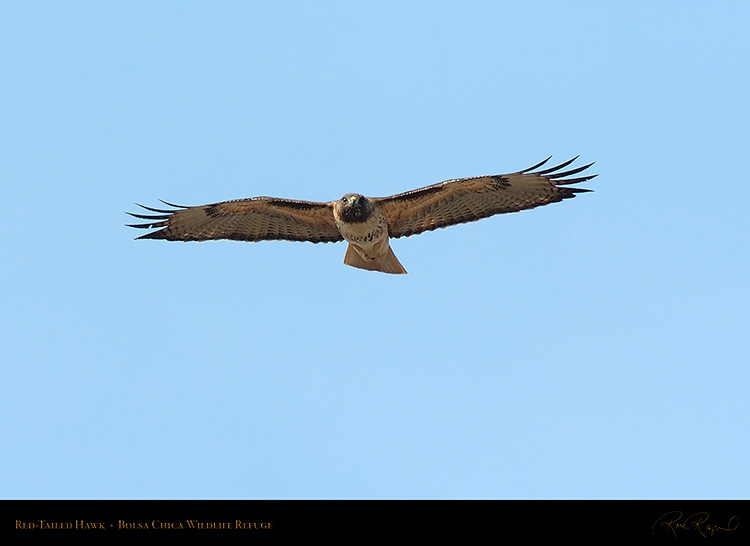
(469, 199)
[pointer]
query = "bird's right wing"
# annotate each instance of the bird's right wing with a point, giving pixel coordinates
(255, 219)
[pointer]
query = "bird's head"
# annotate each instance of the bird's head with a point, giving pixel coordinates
(354, 207)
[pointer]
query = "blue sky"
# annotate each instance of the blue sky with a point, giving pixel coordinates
(596, 348)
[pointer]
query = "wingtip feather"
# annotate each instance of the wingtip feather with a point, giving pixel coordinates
(535, 166)
(557, 167)
(557, 177)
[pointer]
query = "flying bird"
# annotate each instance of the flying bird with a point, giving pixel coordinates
(366, 223)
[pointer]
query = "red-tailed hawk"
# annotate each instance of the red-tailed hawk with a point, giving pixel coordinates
(366, 223)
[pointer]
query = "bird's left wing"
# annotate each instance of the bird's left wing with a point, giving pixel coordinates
(469, 199)
(255, 219)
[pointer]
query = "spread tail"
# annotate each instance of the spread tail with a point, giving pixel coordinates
(388, 263)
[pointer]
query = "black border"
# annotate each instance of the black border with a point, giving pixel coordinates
(662, 521)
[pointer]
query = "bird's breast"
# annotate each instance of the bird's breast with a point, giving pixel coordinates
(367, 233)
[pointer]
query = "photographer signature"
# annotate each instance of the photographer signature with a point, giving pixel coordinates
(697, 522)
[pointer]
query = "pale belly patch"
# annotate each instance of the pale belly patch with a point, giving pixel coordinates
(367, 237)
